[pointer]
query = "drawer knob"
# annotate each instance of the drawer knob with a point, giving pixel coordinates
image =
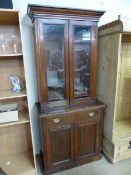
(91, 114)
(56, 120)
(129, 147)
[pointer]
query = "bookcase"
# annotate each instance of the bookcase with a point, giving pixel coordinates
(71, 118)
(114, 87)
(16, 149)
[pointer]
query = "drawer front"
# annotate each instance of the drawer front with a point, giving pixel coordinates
(73, 116)
(125, 147)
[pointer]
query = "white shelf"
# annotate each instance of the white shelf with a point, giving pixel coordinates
(122, 130)
(21, 164)
(23, 118)
(8, 94)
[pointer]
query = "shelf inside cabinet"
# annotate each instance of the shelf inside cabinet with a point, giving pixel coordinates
(8, 94)
(21, 164)
(82, 41)
(122, 130)
(23, 118)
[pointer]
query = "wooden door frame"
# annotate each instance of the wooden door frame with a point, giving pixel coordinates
(93, 57)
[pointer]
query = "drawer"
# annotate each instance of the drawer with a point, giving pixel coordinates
(125, 147)
(72, 116)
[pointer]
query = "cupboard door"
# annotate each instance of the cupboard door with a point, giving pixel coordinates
(52, 51)
(87, 139)
(59, 148)
(82, 59)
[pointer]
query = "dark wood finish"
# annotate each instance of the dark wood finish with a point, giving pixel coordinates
(71, 132)
(93, 57)
(41, 64)
(60, 145)
(88, 132)
(93, 61)
(40, 11)
(75, 139)
(69, 17)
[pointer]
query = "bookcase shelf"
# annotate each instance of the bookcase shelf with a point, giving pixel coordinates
(11, 55)
(23, 118)
(8, 94)
(21, 163)
(122, 130)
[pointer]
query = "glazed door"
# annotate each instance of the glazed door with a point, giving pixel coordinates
(82, 59)
(87, 139)
(59, 148)
(52, 50)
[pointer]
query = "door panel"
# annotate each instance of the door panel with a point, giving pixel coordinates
(86, 142)
(87, 139)
(60, 145)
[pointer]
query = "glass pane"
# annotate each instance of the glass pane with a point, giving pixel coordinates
(54, 53)
(82, 46)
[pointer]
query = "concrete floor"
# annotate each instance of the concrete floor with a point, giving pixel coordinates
(100, 167)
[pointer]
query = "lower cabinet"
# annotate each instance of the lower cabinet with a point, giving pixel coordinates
(71, 138)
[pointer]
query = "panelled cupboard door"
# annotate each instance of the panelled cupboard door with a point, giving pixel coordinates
(52, 58)
(59, 150)
(87, 139)
(82, 53)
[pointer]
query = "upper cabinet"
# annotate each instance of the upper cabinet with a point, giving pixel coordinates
(66, 42)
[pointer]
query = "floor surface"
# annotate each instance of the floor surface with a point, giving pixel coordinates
(100, 167)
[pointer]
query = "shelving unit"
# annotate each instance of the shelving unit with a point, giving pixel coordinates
(114, 87)
(16, 155)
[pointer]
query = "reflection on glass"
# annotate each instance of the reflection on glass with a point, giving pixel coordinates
(82, 46)
(54, 52)
(14, 43)
(2, 43)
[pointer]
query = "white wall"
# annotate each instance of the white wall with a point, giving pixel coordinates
(113, 8)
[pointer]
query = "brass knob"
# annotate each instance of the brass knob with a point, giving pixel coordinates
(56, 120)
(91, 114)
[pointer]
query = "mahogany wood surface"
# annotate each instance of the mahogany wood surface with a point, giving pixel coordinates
(75, 139)
(71, 132)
